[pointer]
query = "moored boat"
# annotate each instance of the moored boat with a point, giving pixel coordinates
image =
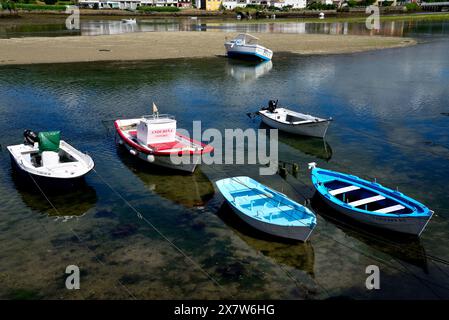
(245, 46)
(370, 203)
(129, 20)
(48, 160)
(266, 209)
(294, 122)
(154, 139)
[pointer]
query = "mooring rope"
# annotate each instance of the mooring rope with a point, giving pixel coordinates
(161, 234)
(79, 238)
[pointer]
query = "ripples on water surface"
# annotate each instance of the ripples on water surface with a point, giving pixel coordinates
(389, 123)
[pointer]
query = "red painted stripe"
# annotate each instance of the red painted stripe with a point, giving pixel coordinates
(206, 148)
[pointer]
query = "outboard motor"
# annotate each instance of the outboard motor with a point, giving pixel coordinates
(30, 137)
(272, 105)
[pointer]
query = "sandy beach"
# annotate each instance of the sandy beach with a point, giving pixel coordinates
(169, 45)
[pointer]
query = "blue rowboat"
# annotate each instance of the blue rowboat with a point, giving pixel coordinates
(266, 209)
(370, 203)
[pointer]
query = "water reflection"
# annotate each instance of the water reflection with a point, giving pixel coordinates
(68, 204)
(402, 247)
(247, 71)
(92, 27)
(315, 147)
(284, 251)
(188, 190)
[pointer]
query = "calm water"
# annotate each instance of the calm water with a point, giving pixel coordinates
(389, 109)
(93, 27)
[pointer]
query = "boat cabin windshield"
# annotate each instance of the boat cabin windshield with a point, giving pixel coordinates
(245, 38)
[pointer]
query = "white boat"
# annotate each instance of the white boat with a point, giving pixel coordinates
(49, 160)
(294, 122)
(266, 209)
(154, 139)
(129, 20)
(245, 46)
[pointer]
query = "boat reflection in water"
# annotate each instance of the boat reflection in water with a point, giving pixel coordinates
(401, 247)
(298, 255)
(311, 146)
(68, 203)
(247, 70)
(189, 190)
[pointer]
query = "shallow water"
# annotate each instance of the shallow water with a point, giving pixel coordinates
(136, 232)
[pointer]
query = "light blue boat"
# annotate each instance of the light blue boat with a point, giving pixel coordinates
(266, 209)
(370, 203)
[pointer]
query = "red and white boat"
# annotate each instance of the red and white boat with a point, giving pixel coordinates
(154, 139)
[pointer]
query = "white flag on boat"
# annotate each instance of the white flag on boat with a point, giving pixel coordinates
(155, 110)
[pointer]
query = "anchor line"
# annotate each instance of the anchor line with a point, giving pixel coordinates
(387, 264)
(419, 279)
(371, 236)
(79, 238)
(287, 273)
(407, 272)
(161, 234)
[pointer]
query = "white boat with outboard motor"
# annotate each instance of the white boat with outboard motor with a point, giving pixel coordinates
(246, 46)
(48, 159)
(293, 122)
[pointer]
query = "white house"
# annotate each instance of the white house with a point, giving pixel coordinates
(128, 4)
(232, 4)
(296, 4)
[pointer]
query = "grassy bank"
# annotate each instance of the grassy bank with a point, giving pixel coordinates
(37, 7)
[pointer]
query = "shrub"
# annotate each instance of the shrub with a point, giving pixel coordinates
(35, 7)
(367, 3)
(50, 2)
(321, 6)
(412, 7)
(157, 9)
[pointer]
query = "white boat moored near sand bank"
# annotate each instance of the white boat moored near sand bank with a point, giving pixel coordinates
(245, 46)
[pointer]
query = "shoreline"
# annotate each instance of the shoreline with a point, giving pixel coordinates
(179, 44)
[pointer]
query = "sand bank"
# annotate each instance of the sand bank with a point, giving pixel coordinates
(168, 45)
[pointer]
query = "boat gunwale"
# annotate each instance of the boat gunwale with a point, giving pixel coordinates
(308, 222)
(264, 113)
(206, 148)
(86, 161)
(321, 120)
(419, 210)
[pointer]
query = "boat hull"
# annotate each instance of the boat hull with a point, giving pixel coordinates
(288, 232)
(412, 226)
(163, 161)
(315, 129)
(247, 52)
(44, 182)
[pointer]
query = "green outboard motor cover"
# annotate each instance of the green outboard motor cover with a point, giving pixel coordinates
(49, 141)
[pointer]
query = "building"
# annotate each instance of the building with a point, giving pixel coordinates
(296, 4)
(211, 5)
(132, 4)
